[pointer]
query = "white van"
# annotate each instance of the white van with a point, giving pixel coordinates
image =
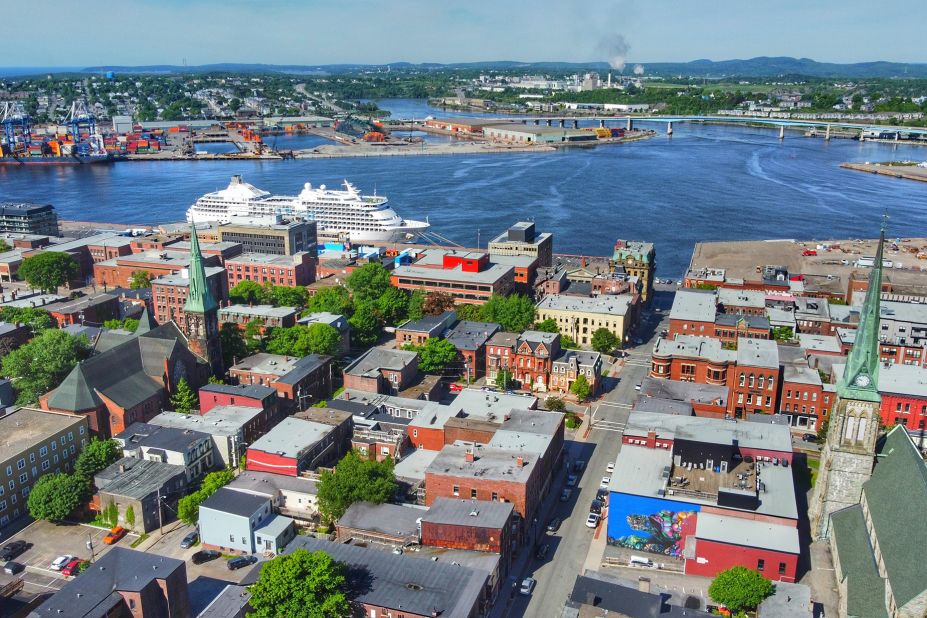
(641, 562)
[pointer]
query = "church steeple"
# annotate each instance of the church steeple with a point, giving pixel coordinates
(860, 377)
(199, 296)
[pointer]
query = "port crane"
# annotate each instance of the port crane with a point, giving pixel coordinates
(17, 127)
(83, 126)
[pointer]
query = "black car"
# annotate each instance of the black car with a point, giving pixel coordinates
(11, 550)
(241, 562)
(554, 525)
(12, 568)
(602, 495)
(204, 555)
(809, 437)
(542, 551)
(596, 507)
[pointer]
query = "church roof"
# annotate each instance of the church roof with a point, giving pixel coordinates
(199, 296)
(865, 589)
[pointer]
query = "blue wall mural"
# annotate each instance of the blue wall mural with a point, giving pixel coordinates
(647, 524)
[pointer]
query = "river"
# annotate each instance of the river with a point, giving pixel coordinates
(703, 183)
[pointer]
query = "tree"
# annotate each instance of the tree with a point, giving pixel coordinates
(184, 399)
(567, 343)
(247, 293)
(580, 387)
(555, 404)
(48, 270)
(41, 364)
(36, 319)
(740, 588)
(188, 507)
(368, 282)
(324, 339)
(140, 279)
(514, 313)
(504, 378)
(97, 455)
(128, 324)
(232, 343)
(283, 296)
(393, 306)
(470, 312)
(783, 333)
(547, 326)
(822, 431)
(130, 517)
(301, 583)
(3, 246)
(55, 496)
(435, 355)
(254, 335)
(110, 515)
(416, 302)
(604, 341)
(335, 299)
(437, 303)
(365, 323)
(354, 480)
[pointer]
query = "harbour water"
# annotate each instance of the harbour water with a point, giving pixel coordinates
(706, 182)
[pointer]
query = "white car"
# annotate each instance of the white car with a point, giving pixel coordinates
(606, 480)
(592, 521)
(637, 387)
(610, 467)
(59, 562)
(527, 585)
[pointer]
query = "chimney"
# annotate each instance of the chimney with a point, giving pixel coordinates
(643, 584)
(122, 467)
(651, 439)
(520, 462)
(469, 456)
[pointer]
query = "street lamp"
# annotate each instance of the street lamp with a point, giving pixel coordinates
(90, 547)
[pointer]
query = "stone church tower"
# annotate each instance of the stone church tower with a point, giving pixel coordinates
(849, 452)
(201, 312)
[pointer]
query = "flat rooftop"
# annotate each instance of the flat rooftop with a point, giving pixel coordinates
(488, 463)
(291, 437)
(24, 427)
(388, 519)
(694, 305)
(182, 280)
(747, 532)
(470, 513)
(137, 478)
(608, 304)
(268, 484)
(710, 430)
(219, 421)
(692, 346)
(762, 353)
(494, 272)
(278, 364)
(266, 259)
(412, 467)
(376, 359)
(683, 391)
(262, 311)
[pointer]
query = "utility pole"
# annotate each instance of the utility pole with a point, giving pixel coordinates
(160, 522)
(90, 547)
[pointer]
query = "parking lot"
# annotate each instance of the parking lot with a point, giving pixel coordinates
(48, 541)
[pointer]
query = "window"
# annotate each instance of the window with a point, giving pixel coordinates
(781, 568)
(456, 490)
(760, 564)
(231, 538)
(2, 505)
(20, 464)
(9, 470)
(45, 465)
(23, 477)
(43, 451)
(54, 445)
(495, 497)
(473, 493)
(31, 457)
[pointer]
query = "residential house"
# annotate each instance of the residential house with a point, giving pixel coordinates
(150, 488)
(180, 447)
(239, 522)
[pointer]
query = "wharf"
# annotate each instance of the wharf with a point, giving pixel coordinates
(176, 156)
(908, 172)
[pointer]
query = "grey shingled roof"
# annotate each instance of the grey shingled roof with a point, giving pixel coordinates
(388, 519)
(865, 589)
(376, 359)
(897, 489)
(401, 582)
(234, 502)
(473, 513)
(140, 478)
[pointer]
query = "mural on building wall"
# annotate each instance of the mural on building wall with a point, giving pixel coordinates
(648, 524)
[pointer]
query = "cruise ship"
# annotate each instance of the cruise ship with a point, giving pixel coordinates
(345, 213)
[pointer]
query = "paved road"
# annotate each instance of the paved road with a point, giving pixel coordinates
(570, 545)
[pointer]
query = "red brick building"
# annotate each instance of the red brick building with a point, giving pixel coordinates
(528, 357)
(299, 382)
(479, 525)
(296, 445)
(248, 395)
(382, 370)
(117, 272)
(169, 292)
(283, 270)
(904, 396)
(468, 276)
(94, 309)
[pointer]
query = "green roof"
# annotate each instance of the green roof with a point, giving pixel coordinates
(896, 496)
(865, 589)
(199, 296)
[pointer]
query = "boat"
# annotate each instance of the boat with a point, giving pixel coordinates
(345, 213)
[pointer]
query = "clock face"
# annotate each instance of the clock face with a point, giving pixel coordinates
(862, 380)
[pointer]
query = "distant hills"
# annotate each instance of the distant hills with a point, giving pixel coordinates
(748, 68)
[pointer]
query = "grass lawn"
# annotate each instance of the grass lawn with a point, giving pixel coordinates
(813, 465)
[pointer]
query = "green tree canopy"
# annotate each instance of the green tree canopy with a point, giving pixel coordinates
(184, 399)
(368, 282)
(434, 355)
(416, 303)
(232, 342)
(140, 279)
(36, 319)
(504, 379)
(354, 480)
(188, 507)
(514, 313)
(393, 306)
(283, 296)
(48, 270)
(437, 303)
(604, 340)
(365, 323)
(97, 455)
(580, 387)
(41, 364)
(254, 335)
(335, 299)
(129, 324)
(739, 588)
(130, 517)
(302, 340)
(247, 293)
(555, 404)
(302, 583)
(470, 312)
(55, 496)
(3, 246)
(547, 326)
(567, 343)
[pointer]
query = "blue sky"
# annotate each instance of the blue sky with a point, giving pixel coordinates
(380, 31)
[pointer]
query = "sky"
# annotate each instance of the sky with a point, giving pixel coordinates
(48, 33)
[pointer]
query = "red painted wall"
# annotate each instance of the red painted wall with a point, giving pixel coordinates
(430, 439)
(912, 413)
(260, 461)
(721, 556)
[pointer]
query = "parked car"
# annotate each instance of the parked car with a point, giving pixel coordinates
(605, 482)
(73, 567)
(189, 540)
(565, 494)
(596, 507)
(610, 467)
(204, 555)
(241, 562)
(12, 568)
(572, 480)
(542, 551)
(60, 561)
(114, 535)
(637, 387)
(12, 549)
(527, 586)
(579, 465)
(592, 521)
(602, 495)
(554, 525)
(809, 437)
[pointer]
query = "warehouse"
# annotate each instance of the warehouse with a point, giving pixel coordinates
(533, 134)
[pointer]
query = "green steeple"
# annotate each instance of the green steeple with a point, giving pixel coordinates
(199, 297)
(860, 378)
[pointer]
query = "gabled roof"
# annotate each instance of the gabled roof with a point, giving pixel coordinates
(865, 589)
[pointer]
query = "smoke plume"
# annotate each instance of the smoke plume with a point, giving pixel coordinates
(616, 49)
(638, 69)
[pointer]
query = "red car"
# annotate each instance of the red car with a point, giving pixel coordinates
(73, 567)
(809, 252)
(114, 535)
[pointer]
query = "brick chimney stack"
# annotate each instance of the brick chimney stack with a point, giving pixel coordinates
(520, 462)
(469, 456)
(651, 439)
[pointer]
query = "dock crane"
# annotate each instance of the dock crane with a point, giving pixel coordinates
(83, 125)
(17, 128)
